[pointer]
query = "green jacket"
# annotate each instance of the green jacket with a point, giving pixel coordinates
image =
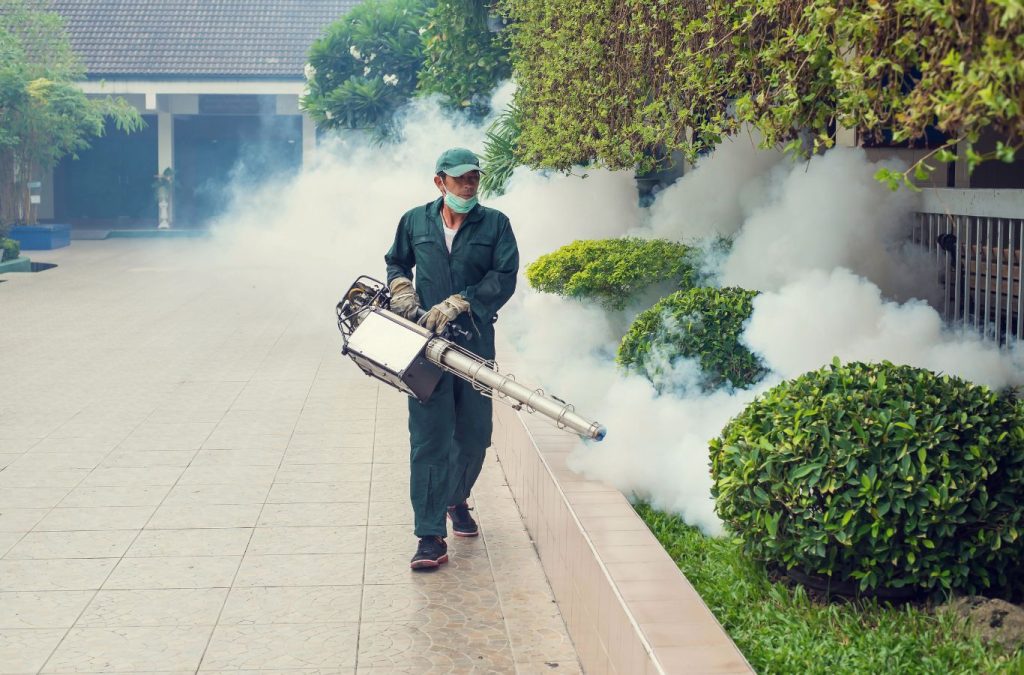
(482, 266)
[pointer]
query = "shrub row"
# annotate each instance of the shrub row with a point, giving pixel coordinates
(870, 477)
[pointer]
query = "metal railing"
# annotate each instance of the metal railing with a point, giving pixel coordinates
(977, 237)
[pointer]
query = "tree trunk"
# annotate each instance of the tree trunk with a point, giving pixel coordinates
(8, 191)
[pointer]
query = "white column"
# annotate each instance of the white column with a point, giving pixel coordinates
(961, 178)
(165, 145)
(308, 141)
(846, 138)
(165, 151)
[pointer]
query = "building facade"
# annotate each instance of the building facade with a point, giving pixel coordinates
(218, 84)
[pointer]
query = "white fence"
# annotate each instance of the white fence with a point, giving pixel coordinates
(977, 237)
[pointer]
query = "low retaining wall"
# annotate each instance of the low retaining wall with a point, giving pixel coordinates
(628, 608)
(17, 265)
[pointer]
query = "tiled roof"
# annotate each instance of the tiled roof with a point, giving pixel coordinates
(197, 38)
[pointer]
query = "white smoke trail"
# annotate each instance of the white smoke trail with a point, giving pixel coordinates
(822, 241)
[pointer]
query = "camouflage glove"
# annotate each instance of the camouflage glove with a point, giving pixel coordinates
(404, 301)
(440, 315)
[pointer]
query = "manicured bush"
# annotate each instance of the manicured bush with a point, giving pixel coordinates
(9, 249)
(703, 323)
(612, 271)
(881, 475)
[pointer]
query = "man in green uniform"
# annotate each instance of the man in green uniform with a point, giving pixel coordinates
(466, 261)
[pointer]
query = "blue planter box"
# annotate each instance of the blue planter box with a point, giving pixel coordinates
(41, 237)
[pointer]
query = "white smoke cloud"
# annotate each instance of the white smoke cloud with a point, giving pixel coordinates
(821, 240)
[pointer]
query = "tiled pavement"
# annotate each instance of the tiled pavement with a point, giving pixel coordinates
(193, 480)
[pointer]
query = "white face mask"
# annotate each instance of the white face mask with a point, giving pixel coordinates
(458, 204)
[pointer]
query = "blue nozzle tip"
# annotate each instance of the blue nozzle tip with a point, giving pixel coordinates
(601, 433)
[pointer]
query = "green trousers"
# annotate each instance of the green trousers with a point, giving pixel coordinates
(449, 434)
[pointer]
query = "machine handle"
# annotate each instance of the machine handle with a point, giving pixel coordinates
(451, 330)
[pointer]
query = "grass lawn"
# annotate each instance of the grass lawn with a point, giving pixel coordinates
(780, 630)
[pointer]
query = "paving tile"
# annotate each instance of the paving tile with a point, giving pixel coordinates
(234, 460)
(242, 457)
(194, 542)
(218, 493)
(130, 649)
(151, 458)
(217, 474)
(397, 512)
(152, 607)
(31, 497)
(400, 645)
(322, 473)
(175, 517)
(24, 650)
(120, 495)
(54, 575)
(290, 493)
(303, 569)
(314, 514)
(228, 441)
(173, 572)
(328, 455)
(296, 604)
(8, 540)
(440, 603)
(284, 540)
(80, 544)
(20, 520)
(159, 475)
(29, 477)
(282, 646)
(96, 518)
(41, 609)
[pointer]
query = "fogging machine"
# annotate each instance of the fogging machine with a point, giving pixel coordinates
(412, 358)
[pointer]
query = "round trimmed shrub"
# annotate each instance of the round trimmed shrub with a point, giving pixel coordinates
(883, 476)
(703, 323)
(9, 249)
(612, 271)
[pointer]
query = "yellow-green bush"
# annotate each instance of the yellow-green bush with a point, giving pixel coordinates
(612, 271)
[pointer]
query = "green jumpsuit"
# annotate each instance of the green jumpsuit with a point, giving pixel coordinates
(450, 432)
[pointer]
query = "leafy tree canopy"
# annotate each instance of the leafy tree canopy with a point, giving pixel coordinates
(366, 66)
(43, 114)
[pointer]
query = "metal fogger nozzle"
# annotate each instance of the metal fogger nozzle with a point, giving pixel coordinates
(411, 358)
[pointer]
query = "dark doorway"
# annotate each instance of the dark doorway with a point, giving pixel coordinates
(111, 183)
(216, 156)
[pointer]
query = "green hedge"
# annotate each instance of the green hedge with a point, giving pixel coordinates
(612, 271)
(883, 475)
(703, 323)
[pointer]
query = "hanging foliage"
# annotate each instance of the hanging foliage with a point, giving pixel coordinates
(615, 82)
(463, 60)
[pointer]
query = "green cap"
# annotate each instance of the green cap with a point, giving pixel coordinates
(456, 161)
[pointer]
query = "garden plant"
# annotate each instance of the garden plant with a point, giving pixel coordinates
(703, 323)
(878, 477)
(611, 272)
